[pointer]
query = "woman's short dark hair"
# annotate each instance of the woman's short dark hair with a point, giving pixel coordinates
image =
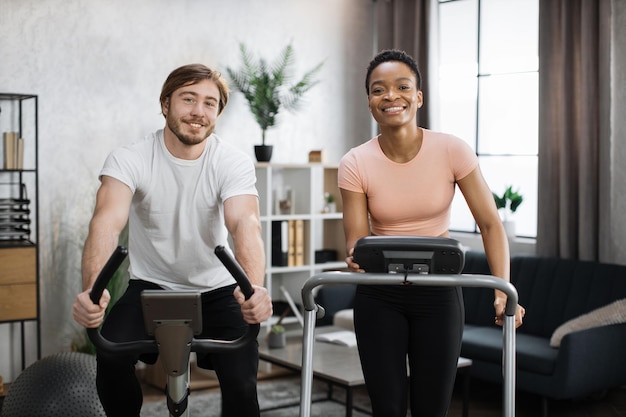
(193, 74)
(392, 55)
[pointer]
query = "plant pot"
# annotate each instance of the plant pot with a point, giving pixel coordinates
(509, 228)
(263, 152)
(277, 340)
(330, 208)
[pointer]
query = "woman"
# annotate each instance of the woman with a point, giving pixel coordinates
(402, 183)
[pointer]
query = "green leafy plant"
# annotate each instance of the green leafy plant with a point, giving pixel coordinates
(116, 286)
(509, 201)
(265, 86)
(278, 326)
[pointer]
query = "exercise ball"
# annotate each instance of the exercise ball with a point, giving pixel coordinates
(63, 385)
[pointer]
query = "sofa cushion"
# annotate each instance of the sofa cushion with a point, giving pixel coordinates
(610, 314)
(534, 353)
(344, 319)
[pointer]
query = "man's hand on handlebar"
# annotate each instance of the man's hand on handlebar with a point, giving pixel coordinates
(258, 307)
(88, 314)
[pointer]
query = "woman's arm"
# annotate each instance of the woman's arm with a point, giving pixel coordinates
(481, 203)
(355, 222)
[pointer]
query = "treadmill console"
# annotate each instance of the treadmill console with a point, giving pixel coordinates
(409, 254)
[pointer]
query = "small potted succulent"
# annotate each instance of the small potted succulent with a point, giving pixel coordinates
(329, 203)
(507, 204)
(277, 338)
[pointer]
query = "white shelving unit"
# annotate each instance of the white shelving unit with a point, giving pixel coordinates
(322, 230)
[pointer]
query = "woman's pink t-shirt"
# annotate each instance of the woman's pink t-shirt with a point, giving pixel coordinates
(411, 198)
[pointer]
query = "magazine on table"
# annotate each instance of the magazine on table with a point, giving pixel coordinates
(339, 337)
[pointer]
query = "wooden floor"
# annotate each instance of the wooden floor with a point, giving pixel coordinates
(485, 400)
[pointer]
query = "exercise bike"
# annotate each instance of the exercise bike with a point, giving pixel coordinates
(172, 318)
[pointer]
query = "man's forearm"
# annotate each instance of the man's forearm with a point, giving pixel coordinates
(98, 248)
(250, 253)
(252, 259)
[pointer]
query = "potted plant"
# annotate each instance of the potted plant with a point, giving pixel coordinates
(507, 204)
(330, 206)
(277, 337)
(265, 87)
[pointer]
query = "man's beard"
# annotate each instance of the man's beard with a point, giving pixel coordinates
(177, 128)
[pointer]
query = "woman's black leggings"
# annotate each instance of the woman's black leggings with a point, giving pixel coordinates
(424, 324)
(118, 387)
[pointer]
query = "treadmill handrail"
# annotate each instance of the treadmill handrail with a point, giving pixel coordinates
(460, 280)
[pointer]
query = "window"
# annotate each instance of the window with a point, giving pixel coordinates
(488, 95)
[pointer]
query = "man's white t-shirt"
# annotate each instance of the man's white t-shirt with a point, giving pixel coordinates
(177, 212)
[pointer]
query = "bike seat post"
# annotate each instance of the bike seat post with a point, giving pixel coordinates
(173, 318)
(174, 340)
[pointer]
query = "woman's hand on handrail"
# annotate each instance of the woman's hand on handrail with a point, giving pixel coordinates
(500, 305)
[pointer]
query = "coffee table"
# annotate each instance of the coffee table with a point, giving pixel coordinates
(338, 365)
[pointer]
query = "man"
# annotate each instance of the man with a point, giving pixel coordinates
(182, 190)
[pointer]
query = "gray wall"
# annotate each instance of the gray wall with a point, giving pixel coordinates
(98, 67)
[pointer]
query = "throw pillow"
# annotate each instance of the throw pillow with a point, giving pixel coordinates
(609, 314)
(344, 319)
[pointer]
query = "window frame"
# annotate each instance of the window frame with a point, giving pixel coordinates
(481, 75)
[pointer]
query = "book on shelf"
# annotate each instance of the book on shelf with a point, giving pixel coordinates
(10, 144)
(288, 242)
(280, 242)
(299, 242)
(339, 337)
(13, 151)
(291, 251)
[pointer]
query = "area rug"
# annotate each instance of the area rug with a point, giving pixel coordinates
(277, 398)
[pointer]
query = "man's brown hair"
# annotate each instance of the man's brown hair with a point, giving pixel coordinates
(193, 74)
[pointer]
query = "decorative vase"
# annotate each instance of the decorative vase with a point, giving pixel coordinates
(277, 340)
(263, 153)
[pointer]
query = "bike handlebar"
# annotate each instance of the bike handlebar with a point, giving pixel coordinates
(105, 275)
(235, 270)
(150, 346)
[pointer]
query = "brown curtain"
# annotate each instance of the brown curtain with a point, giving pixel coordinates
(569, 85)
(403, 24)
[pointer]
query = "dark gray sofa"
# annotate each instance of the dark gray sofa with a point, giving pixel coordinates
(554, 291)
